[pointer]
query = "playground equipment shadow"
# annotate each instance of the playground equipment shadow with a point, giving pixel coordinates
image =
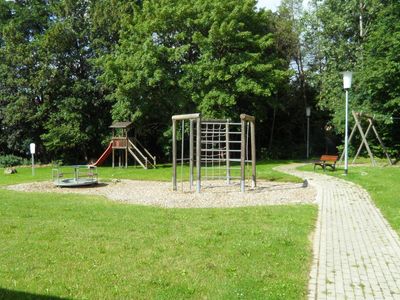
(7, 294)
(88, 187)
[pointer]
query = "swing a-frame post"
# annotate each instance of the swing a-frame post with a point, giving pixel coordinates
(358, 118)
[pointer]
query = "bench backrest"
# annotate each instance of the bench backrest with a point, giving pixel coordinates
(333, 158)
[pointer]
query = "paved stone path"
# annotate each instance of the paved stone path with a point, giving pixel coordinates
(356, 252)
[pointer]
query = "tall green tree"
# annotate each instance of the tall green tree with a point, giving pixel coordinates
(50, 93)
(379, 72)
(361, 36)
(22, 23)
(337, 31)
(74, 111)
(217, 57)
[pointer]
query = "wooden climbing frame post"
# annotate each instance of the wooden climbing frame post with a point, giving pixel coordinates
(192, 118)
(245, 119)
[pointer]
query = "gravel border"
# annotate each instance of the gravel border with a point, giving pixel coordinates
(213, 194)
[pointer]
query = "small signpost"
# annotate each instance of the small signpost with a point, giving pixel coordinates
(32, 148)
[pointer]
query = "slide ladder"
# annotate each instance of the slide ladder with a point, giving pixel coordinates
(141, 154)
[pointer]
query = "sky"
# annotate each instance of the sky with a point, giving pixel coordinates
(270, 4)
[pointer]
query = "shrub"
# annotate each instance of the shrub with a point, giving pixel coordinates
(10, 160)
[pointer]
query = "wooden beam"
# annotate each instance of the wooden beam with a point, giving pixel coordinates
(191, 154)
(253, 154)
(381, 142)
(186, 117)
(113, 157)
(126, 150)
(242, 154)
(247, 118)
(198, 154)
(362, 144)
(174, 186)
(364, 140)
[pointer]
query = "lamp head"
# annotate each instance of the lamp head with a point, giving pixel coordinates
(32, 148)
(347, 76)
(308, 111)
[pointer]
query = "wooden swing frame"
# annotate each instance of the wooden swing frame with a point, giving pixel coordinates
(358, 118)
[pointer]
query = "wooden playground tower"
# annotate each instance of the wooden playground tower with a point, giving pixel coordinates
(120, 142)
(123, 145)
(359, 118)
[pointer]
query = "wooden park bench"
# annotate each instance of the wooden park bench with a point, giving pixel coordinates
(327, 161)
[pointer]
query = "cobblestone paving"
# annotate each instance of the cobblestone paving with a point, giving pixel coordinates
(356, 252)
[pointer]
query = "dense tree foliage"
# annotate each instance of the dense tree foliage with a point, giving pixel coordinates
(154, 59)
(50, 94)
(217, 57)
(21, 27)
(69, 68)
(379, 69)
(361, 36)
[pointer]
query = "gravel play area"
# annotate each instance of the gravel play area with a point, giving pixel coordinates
(213, 194)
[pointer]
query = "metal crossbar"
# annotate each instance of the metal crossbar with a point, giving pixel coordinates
(221, 133)
(231, 142)
(222, 177)
(231, 160)
(217, 122)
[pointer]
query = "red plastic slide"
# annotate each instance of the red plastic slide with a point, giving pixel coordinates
(104, 156)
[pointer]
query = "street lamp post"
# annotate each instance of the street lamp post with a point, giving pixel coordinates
(32, 148)
(308, 114)
(347, 76)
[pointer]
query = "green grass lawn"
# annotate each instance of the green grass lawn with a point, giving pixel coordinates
(162, 173)
(382, 183)
(86, 247)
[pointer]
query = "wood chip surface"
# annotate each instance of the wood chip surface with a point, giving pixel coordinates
(213, 194)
